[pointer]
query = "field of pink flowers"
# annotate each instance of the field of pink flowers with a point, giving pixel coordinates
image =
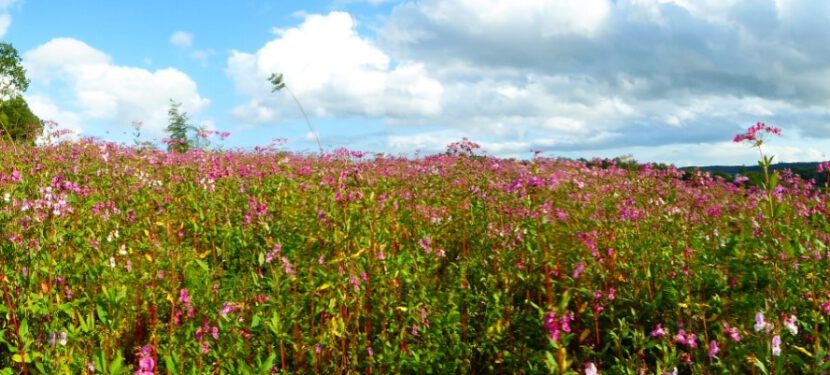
(117, 260)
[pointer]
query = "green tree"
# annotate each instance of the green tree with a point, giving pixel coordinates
(20, 124)
(16, 119)
(178, 126)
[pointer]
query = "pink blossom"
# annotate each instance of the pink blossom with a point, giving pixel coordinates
(658, 331)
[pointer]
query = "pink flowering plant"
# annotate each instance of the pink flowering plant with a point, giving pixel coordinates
(120, 259)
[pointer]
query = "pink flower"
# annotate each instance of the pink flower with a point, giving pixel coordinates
(682, 338)
(789, 324)
(731, 332)
(578, 270)
(713, 349)
(146, 363)
(184, 297)
(760, 323)
(751, 134)
(590, 369)
(658, 331)
(776, 345)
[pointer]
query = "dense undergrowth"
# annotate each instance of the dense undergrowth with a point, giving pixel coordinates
(125, 260)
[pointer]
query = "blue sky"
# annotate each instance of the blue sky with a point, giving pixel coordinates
(661, 80)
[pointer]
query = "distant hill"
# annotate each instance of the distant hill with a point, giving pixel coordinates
(804, 170)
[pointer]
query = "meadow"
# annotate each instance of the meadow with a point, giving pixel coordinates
(117, 259)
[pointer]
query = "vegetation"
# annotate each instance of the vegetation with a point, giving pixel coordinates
(178, 128)
(17, 122)
(121, 260)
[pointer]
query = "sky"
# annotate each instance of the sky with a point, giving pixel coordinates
(668, 81)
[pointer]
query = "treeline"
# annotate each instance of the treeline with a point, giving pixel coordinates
(805, 170)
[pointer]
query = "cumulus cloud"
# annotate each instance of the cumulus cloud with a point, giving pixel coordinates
(99, 89)
(5, 17)
(334, 71)
(181, 39)
(574, 75)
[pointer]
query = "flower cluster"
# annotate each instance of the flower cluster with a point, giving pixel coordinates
(755, 133)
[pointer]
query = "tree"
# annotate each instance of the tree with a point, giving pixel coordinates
(20, 124)
(16, 119)
(278, 84)
(177, 128)
(14, 81)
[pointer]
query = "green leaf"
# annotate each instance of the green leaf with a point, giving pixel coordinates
(102, 314)
(170, 363)
(24, 329)
(757, 362)
(116, 364)
(266, 366)
(203, 264)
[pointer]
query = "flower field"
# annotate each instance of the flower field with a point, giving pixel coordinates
(116, 260)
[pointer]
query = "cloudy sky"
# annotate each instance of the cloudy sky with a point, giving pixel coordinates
(661, 80)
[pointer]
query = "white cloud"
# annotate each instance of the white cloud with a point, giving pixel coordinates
(47, 110)
(99, 89)
(594, 76)
(334, 72)
(5, 17)
(5, 23)
(181, 39)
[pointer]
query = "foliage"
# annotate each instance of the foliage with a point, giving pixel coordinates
(17, 121)
(120, 260)
(14, 81)
(16, 117)
(178, 127)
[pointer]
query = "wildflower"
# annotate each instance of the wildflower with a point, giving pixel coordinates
(381, 256)
(682, 338)
(751, 134)
(52, 338)
(550, 324)
(731, 332)
(184, 297)
(112, 262)
(273, 253)
(713, 349)
(590, 369)
(227, 308)
(789, 324)
(355, 283)
(776, 345)
(7, 197)
(205, 347)
(62, 340)
(146, 364)
(658, 331)
(578, 270)
(370, 351)
(825, 307)
(414, 330)
(425, 244)
(672, 372)
(760, 323)
(90, 367)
